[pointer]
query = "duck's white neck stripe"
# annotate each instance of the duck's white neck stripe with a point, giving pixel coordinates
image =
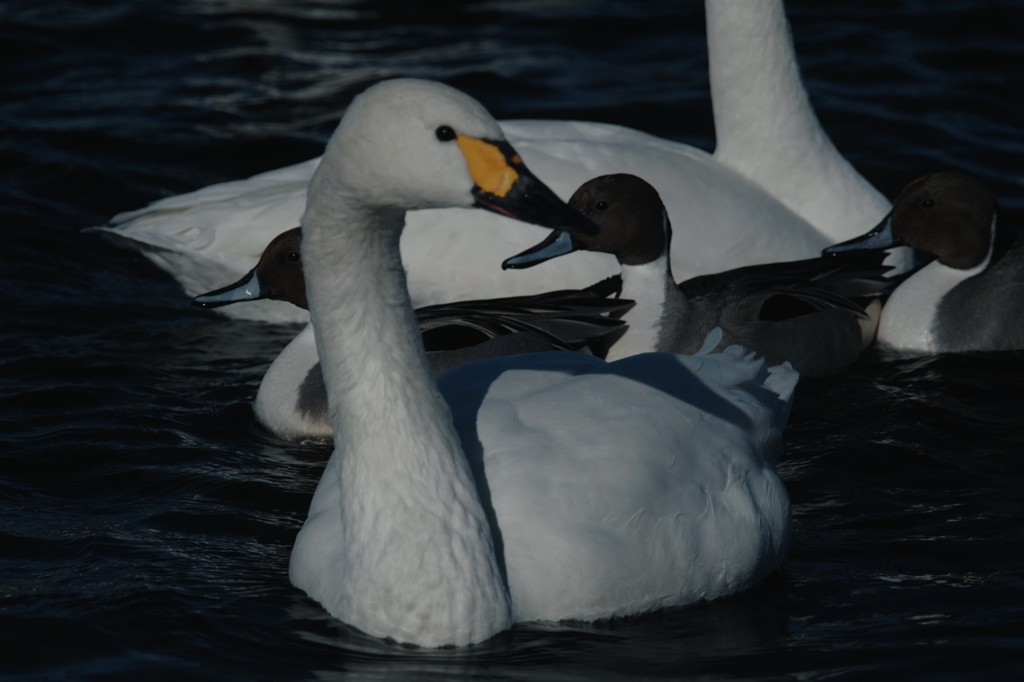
(908, 320)
(645, 284)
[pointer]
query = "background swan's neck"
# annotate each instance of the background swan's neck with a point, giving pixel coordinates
(765, 127)
(417, 558)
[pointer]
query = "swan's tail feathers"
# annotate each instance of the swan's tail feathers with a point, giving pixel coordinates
(711, 341)
(782, 380)
(772, 387)
(776, 394)
(262, 184)
(207, 238)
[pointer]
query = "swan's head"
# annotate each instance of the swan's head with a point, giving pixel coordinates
(410, 144)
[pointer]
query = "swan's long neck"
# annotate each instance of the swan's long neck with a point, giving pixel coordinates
(766, 128)
(417, 557)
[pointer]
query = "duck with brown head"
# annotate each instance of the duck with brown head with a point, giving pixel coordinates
(292, 400)
(277, 277)
(971, 297)
(818, 314)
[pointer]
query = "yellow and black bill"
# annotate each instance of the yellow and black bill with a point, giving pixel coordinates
(505, 185)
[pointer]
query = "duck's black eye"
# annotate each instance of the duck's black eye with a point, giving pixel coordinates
(927, 203)
(445, 133)
(601, 205)
(293, 256)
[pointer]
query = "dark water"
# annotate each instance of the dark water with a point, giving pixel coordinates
(146, 521)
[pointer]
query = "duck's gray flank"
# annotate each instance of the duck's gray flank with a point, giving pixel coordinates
(986, 312)
(312, 400)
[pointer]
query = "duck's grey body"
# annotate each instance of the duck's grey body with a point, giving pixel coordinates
(819, 314)
(986, 312)
(816, 343)
(778, 311)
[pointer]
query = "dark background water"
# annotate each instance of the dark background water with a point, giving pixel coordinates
(146, 520)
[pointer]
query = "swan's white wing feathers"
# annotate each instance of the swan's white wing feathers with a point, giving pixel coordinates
(614, 498)
(213, 236)
(270, 181)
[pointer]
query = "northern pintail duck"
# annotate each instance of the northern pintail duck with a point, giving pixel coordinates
(775, 189)
(818, 314)
(292, 400)
(546, 486)
(971, 296)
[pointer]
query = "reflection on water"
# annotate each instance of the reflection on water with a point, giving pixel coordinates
(660, 645)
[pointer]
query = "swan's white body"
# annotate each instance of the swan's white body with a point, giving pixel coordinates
(658, 502)
(776, 189)
(565, 487)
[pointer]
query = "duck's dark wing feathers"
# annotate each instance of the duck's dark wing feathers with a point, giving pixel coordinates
(787, 290)
(568, 320)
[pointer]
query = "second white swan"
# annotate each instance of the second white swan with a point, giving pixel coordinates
(776, 189)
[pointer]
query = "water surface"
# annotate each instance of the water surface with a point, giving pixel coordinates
(146, 520)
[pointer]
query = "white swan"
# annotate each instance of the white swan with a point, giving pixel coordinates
(566, 487)
(773, 171)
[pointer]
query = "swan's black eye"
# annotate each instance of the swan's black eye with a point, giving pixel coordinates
(927, 203)
(445, 133)
(293, 256)
(601, 205)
